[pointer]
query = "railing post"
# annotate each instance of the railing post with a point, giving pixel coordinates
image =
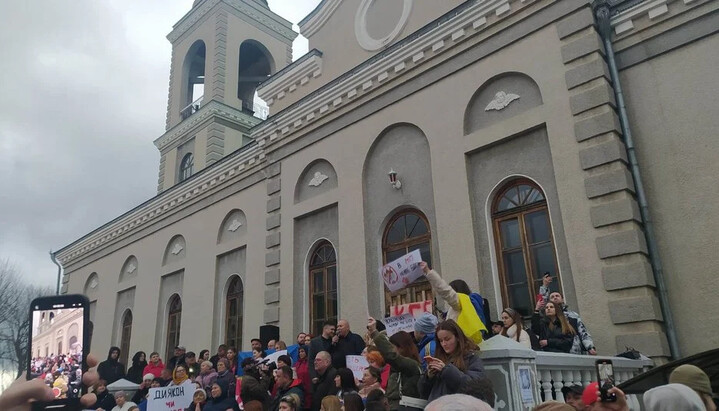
(512, 369)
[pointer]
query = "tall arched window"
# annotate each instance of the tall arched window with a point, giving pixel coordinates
(234, 307)
(186, 166)
(174, 314)
(125, 336)
(408, 230)
(323, 287)
(524, 243)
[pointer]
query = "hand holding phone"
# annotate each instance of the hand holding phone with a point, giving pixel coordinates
(605, 377)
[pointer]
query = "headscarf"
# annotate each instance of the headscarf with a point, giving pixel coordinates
(672, 397)
(178, 380)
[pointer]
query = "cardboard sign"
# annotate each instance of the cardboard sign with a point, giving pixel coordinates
(402, 272)
(415, 309)
(272, 358)
(404, 322)
(174, 398)
(357, 364)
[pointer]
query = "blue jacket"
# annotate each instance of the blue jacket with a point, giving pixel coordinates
(422, 345)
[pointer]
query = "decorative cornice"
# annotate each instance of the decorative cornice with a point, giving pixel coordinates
(213, 108)
(622, 22)
(318, 17)
(291, 77)
(174, 199)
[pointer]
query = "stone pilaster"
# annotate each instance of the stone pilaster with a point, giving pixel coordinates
(168, 117)
(272, 245)
(219, 70)
(215, 143)
(609, 187)
(161, 176)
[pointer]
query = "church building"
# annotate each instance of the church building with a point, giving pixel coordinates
(503, 139)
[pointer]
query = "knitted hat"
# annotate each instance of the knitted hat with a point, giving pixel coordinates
(691, 376)
(148, 376)
(200, 391)
(589, 396)
(426, 324)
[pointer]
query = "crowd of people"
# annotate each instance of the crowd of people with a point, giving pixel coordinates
(61, 372)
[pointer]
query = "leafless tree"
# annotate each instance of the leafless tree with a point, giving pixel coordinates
(15, 298)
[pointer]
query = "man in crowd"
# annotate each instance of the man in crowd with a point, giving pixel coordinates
(573, 396)
(271, 344)
(193, 368)
(256, 344)
(301, 338)
(321, 343)
(111, 369)
(178, 358)
(286, 385)
(221, 352)
(424, 329)
(345, 343)
(324, 382)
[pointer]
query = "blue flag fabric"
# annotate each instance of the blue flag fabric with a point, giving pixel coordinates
(292, 351)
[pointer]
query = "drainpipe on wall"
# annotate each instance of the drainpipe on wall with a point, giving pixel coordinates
(59, 272)
(602, 14)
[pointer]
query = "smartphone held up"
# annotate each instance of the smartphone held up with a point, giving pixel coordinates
(605, 377)
(59, 341)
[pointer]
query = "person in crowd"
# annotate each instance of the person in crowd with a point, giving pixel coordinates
(573, 396)
(330, 403)
(177, 358)
(321, 343)
(424, 328)
(179, 375)
(221, 398)
(352, 402)
(458, 402)
(512, 327)
(672, 397)
(345, 382)
(111, 369)
(583, 344)
(286, 385)
(155, 366)
(166, 376)
(457, 295)
(143, 389)
(303, 374)
(206, 376)
(280, 345)
(371, 380)
(308, 339)
(480, 388)
(221, 353)
(375, 359)
(253, 405)
(224, 375)
(258, 354)
(696, 379)
(139, 362)
(400, 352)
(284, 360)
(553, 406)
(193, 368)
(290, 402)
(253, 386)
(232, 359)
(497, 327)
(203, 356)
(256, 344)
(555, 331)
(544, 288)
(455, 363)
(105, 400)
(121, 402)
(271, 344)
(199, 399)
(323, 384)
(301, 338)
(345, 343)
(377, 401)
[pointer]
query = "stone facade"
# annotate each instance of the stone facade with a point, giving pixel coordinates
(460, 99)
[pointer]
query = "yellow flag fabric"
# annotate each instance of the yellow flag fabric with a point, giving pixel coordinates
(468, 320)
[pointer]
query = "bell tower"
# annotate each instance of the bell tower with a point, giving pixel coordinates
(221, 51)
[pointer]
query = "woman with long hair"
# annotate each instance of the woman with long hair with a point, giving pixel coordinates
(455, 363)
(400, 352)
(204, 356)
(139, 363)
(512, 327)
(345, 382)
(556, 332)
(302, 369)
(330, 403)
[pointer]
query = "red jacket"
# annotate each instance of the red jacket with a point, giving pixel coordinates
(155, 370)
(303, 374)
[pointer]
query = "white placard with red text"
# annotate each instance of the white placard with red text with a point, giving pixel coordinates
(402, 272)
(174, 398)
(357, 364)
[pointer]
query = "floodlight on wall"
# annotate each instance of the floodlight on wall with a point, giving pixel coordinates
(393, 181)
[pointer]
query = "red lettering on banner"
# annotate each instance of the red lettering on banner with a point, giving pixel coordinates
(415, 309)
(170, 404)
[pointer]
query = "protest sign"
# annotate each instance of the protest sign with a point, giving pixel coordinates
(402, 272)
(357, 364)
(416, 309)
(272, 358)
(174, 398)
(404, 322)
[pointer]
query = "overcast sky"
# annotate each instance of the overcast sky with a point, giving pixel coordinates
(83, 94)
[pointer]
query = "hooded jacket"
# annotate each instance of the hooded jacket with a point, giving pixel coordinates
(451, 378)
(295, 387)
(111, 370)
(155, 370)
(135, 373)
(223, 402)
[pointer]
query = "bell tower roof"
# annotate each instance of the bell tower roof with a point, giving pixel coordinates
(260, 2)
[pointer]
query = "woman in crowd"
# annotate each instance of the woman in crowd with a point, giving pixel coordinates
(121, 402)
(143, 389)
(375, 359)
(512, 327)
(105, 400)
(400, 352)
(456, 362)
(232, 358)
(204, 356)
(179, 375)
(206, 377)
(308, 338)
(224, 375)
(352, 402)
(371, 380)
(221, 399)
(302, 370)
(345, 382)
(556, 332)
(330, 403)
(199, 399)
(290, 402)
(135, 372)
(155, 366)
(280, 345)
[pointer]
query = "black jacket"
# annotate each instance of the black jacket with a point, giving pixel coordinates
(318, 344)
(296, 388)
(134, 373)
(105, 400)
(111, 370)
(556, 341)
(352, 344)
(324, 387)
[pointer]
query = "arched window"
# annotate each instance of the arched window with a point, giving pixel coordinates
(186, 166)
(193, 72)
(255, 66)
(323, 286)
(234, 309)
(524, 243)
(408, 230)
(174, 314)
(125, 337)
(59, 347)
